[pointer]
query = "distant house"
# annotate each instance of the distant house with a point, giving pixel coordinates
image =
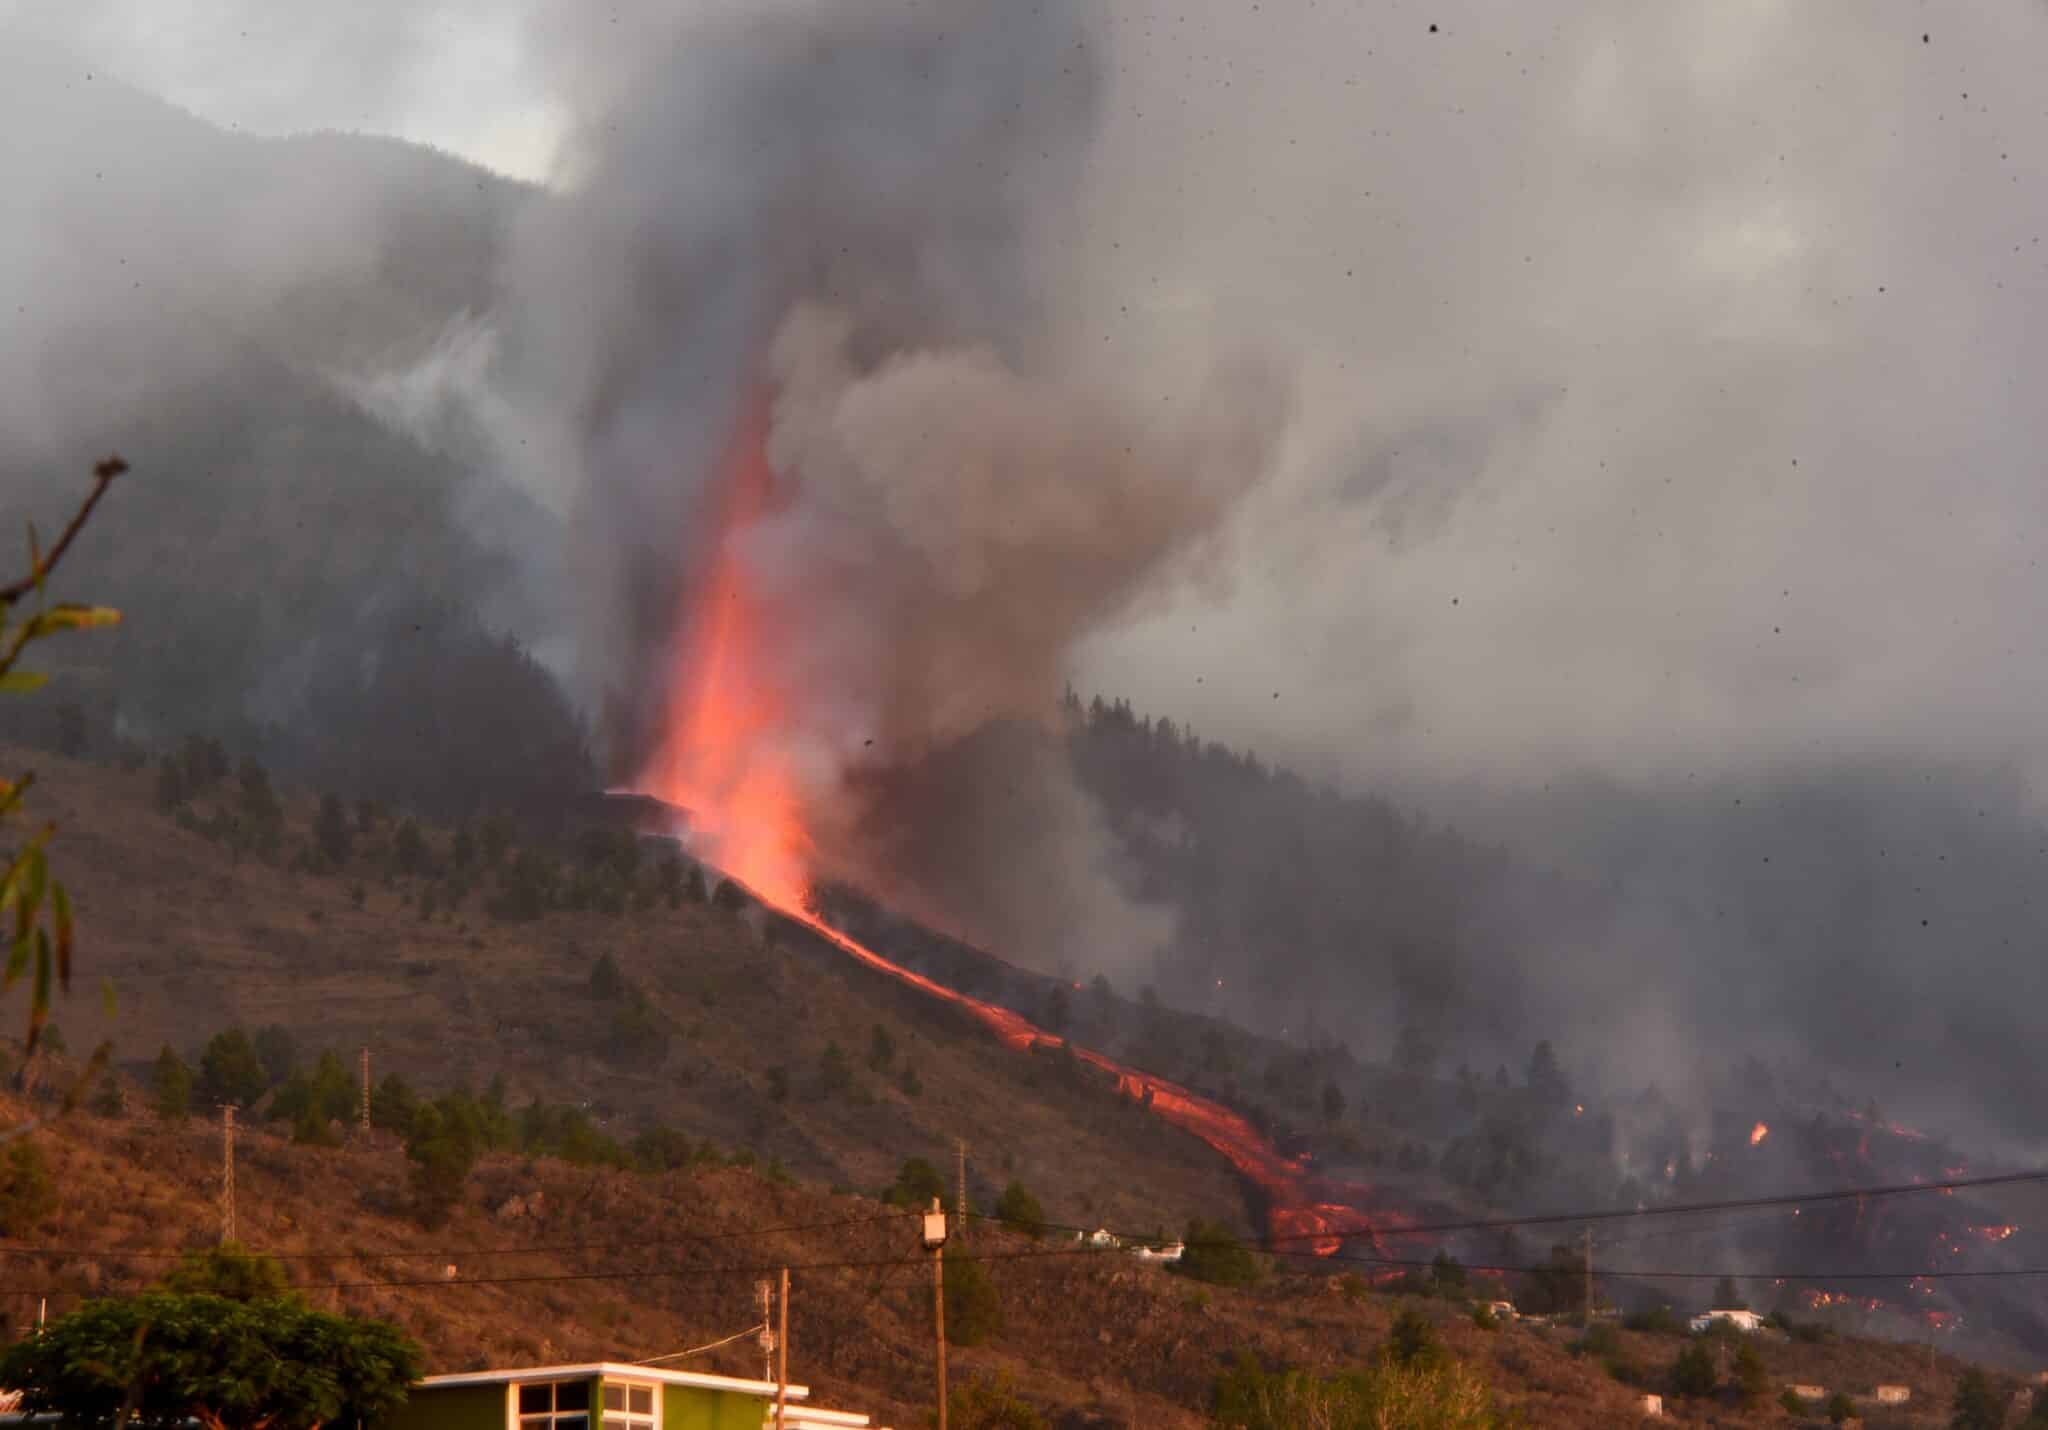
(1172, 1251)
(1100, 1238)
(1499, 1310)
(1892, 1394)
(606, 1395)
(1808, 1392)
(1650, 1406)
(1746, 1321)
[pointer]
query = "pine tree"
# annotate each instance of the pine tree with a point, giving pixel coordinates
(172, 1086)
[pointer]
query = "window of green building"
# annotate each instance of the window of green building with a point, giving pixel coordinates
(555, 1405)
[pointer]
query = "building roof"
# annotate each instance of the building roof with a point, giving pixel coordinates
(622, 1369)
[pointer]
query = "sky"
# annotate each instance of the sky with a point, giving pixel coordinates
(1659, 381)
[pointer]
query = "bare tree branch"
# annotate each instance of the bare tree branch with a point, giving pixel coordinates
(103, 474)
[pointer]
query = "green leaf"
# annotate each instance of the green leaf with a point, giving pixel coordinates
(109, 1005)
(21, 682)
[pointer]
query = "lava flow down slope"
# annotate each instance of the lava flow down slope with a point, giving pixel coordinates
(729, 756)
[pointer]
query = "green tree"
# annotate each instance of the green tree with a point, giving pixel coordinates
(606, 981)
(1214, 1255)
(1448, 1274)
(1546, 1077)
(166, 1358)
(262, 815)
(409, 848)
(1017, 1208)
(171, 1086)
(917, 1183)
(392, 1104)
(228, 1270)
(442, 1151)
(277, 1050)
(331, 832)
(1333, 1102)
(1840, 1408)
(973, 1310)
(170, 784)
(1693, 1372)
(27, 1194)
(1411, 1340)
(230, 1071)
(1977, 1405)
(835, 1073)
(1751, 1377)
(109, 1099)
(881, 1049)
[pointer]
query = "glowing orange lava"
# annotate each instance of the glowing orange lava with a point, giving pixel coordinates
(725, 760)
(1758, 1133)
(724, 756)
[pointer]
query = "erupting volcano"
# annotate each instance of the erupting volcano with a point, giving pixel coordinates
(726, 759)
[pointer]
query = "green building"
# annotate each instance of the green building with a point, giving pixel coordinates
(606, 1395)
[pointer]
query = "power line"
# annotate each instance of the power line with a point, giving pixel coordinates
(1785, 1199)
(1050, 1253)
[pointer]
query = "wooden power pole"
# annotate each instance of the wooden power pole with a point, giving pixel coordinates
(935, 1241)
(782, 1353)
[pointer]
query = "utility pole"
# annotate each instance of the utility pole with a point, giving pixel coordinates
(782, 1353)
(935, 1242)
(960, 1182)
(366, 1090)
(763, 1298)
(1589, 1277)
(227, 1172)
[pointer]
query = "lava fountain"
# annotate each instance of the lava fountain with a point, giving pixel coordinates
(725, 759)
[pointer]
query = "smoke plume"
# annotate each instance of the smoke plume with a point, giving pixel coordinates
(856, 211)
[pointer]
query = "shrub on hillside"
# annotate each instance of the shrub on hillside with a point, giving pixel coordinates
(973, 1310)
(1977, 1405)
(1694, 1372)
(1020, 1210)
(228, 1270)
(984, 1404)
(27, 1193)
(1214, 1255)
(1751, 1378)
(606, 981)
(1441, 1394)
(1663, 1321)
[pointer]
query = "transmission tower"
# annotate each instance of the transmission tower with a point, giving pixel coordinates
(227, 1172)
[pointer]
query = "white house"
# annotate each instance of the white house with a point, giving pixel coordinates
(1170, 1252)
(1100, 1238)
(1744, 1321)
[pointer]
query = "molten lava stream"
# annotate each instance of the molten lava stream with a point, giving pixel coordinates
(724, 760)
